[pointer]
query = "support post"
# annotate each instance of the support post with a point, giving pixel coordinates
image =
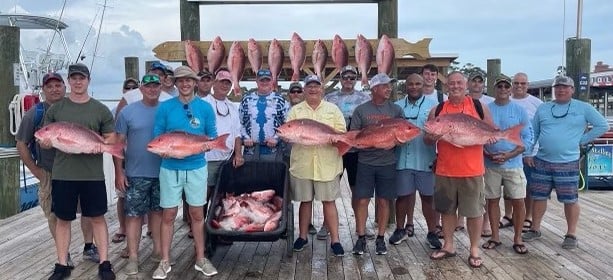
(387, 23)
(493, 70)
(9, 166)
(131, 67)
(190, 20)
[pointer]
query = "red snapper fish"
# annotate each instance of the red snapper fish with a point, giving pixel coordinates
(385, 55)
(340, 55)
(236, 65)
(275, 60)
(249, 212)
(313, 133)
(363, 57)
(254, 55)
(180, 144)
(194, 57)
(297, 55)
(215, 54)
(463, 130)
(319, 58)
(72, 138)
(385, 134)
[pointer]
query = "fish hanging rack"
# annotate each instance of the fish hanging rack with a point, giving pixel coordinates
(407, 55)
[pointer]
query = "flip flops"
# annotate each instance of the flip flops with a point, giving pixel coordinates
(475, 262)
(505, 222)
(445, 255)
(527, 225)
(520, 249)
(491, 244)
(118, 238)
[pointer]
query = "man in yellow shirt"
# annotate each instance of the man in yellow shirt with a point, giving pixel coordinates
(315, 170)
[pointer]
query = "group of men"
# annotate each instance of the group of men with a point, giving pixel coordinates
(153, 185)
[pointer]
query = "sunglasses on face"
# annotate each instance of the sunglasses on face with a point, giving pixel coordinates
(349, 78)
(505, 86)
(295, 91)
(130, 88)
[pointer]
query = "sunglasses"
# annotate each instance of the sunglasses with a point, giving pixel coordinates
(130, 88)
(505, 86)
(519, 83)
(560, 116)
(349, 78)
(295, 91)
(189, 112)
(219, 112)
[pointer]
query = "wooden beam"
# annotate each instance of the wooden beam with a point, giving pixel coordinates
(189, 17)
(387, 22)
(132, 67)
(493, 70)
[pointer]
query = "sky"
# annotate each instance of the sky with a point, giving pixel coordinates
(528, 36)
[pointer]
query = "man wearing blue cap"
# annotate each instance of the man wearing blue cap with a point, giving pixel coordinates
(261, 112)
(315, 170)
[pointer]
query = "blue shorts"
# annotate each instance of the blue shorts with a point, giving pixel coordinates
(528, 172)
(408, 181)
(142, 195)
(174, 182)
(564, 177)
(380, 180)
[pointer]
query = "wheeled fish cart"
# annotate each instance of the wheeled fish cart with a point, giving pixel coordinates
(252, 176)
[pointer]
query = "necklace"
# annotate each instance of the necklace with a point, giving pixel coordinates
(406, 103)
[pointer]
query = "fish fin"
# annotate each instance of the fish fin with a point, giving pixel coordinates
(116, 150)
(513, 135)
(342, 147)
(351, 135)
(219, 143)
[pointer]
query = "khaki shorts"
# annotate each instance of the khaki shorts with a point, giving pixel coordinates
(307, 190)
(512, 180)
(462, 194)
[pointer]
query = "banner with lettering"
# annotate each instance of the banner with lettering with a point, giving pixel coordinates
(600, 161)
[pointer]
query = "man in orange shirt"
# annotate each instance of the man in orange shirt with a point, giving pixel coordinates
(459, 184)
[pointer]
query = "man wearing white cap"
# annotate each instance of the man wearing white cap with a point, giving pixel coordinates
(376, 171)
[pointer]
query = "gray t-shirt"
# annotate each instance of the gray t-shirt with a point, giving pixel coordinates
(135, 122)
(25, 134)
(369, 114)
(347, 102)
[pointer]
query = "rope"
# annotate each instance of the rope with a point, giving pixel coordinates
(15, 112)
(582, 178)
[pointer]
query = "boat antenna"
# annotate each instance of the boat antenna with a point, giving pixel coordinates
(85, 40)
(57, 26)
(91, 67)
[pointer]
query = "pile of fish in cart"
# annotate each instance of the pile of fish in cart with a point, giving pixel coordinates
(251, 203)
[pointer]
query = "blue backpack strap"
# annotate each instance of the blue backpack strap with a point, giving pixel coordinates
(39, 114)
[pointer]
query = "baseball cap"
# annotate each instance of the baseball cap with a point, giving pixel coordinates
(78, 68)
(349, 68)
(563, 81)
(128, 81)
(157, 65)
(185, 72)
(205, 73)
(52, 76)
(264, 73)
(295, 85)
(381, 79)
(151, 78)
(475, 75)
(311, 79)
(223, 75)
(501, 78)
(168, 71)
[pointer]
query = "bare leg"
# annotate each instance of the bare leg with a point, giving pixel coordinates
(518, 215)
(410, 211)
(133, 233)
(473, 226)
(86, 228)
(383, 214)
(304, 218)
(101, 234)
(331, 220)
(402, 205)
(361, 214)
(167, 230)
(493, 212)
(121, 215)
(154, 225)
(538, 211)
(430, 214)
(571, 211)
(62, 240)
(449, 221)
(197, 215)
(508, 209)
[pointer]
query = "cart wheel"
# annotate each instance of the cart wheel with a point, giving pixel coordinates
(289, 231)
(211, 245)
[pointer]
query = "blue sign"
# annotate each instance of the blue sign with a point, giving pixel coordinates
(600, 161)
(584, 82)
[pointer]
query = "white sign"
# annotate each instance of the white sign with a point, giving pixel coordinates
(16, 74)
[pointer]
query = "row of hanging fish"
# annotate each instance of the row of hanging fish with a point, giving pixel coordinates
(297, 54)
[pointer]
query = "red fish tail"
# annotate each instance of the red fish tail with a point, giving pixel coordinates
(513, 135)
(295, 76)
(116, 150)
(342, 147)
(219, 143)
(365, 81)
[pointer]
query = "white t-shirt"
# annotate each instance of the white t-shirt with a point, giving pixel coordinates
(225, 124)
(434, 96)
(136, 95)
(530, 103)
(486, 99)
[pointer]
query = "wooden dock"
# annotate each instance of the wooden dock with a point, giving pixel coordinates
(28, 252)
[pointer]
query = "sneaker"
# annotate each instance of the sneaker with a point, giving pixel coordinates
(205, 266)
(60, 272)
(433, 241)
(91, 254)
(162, 271)
(398, 236)
(380, 247)
(337, 249)
(531, 235)
(323, 232)
(312, 229)
(360, 246)
(132, 266)
(105, 271)
(570, 242)
(69, 262)
(299, 244)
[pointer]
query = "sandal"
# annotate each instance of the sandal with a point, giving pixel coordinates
(410, 228)
(520, 249)
(459, 228)
(118, 237)
(445, 255)
(475, 262)
(505, 222)
(527, 225)
(125, 253)
(439, 232)
(491, 244)
(486, 233)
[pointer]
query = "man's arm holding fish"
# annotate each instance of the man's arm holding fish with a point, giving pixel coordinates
(487, 117)
(430, 139)
(339, 124)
